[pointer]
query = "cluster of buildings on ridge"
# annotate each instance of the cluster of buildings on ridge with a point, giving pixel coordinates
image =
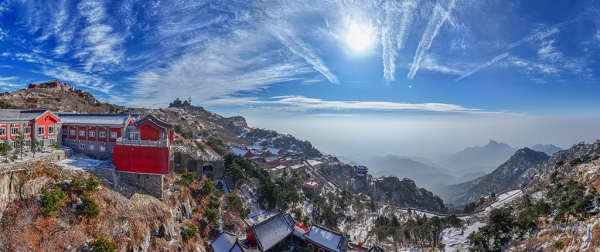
(281, 232)
(273, 157)
(52, 84)
(140, 148)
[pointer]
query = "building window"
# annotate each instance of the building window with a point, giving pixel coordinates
(102, 148)
(320, 250)
(28, 143)
(72, 132)
(134, 136)
(102, 134)
(92, 134)
(15, 131)
(14, 144)
(41, 141)
(82, 146)
(50, 129)
(72, 145)
(82, 133)
(113, 134)
(27, 130)
(311, 248)
(64, 132)
(2, 132)
(51, 141)
(41, 130)
(91, 147)
(111, 149)
(147, 176)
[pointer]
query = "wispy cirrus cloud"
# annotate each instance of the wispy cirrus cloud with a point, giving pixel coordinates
(225, 66)
(395, 30)
(301, 104)
(302, 49)
(539, 35)
(437, 19)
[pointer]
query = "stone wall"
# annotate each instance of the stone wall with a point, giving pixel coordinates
(153, 184)
(34, 163)
(186, 163)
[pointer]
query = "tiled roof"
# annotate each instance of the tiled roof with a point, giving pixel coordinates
(271, 159)
(271, 231)
(20, 115)
(98, 119)
(376, 249)
(238, 151)
(224, 242)
(326, 238)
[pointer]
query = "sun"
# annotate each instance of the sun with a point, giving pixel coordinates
(359, 37)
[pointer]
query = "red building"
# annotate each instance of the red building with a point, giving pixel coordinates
(320, 239)
(136, 146)
(47, 84)
(93, 134)
(38, 124)
(145, 147)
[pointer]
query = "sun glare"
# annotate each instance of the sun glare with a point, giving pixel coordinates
(358, 38)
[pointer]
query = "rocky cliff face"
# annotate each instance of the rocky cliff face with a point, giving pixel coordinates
(405, 193)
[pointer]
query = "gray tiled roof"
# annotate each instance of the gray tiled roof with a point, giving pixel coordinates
(98, 119)
(326, 238)
(20, 115)
(271, 231)
(224, 242)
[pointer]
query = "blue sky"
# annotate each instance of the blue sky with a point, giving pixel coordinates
(311, 68)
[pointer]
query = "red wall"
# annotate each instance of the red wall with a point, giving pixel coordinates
(149, 133)
(45, 121)
(316, 246)
(141, 159)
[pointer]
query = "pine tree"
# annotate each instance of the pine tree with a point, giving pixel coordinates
(21, 143)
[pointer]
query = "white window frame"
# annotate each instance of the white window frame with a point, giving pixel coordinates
(27, 142)
(72, 132)
(27, 130)
(2, 132)
(102, 134)
(14, 144)
(82, 133)
(51, 141)
(92, 134)
(41, 130)
(50, 130)
(91, 147)
(113, 134)
(14, 131)
(102, 148)
(41, 142)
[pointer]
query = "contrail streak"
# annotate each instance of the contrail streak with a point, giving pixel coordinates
(499, 57)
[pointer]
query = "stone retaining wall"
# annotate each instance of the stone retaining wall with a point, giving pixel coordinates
(31, 164)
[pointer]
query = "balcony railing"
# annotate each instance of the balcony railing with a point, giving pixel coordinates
(159, 143)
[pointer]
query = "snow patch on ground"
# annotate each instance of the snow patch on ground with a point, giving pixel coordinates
(84, 163)
(455, 239)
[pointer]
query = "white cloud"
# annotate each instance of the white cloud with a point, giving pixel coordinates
(296, 45)
(549, 53)
(298, 104)
(439, 16)
(225, 66)
(395, 30)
